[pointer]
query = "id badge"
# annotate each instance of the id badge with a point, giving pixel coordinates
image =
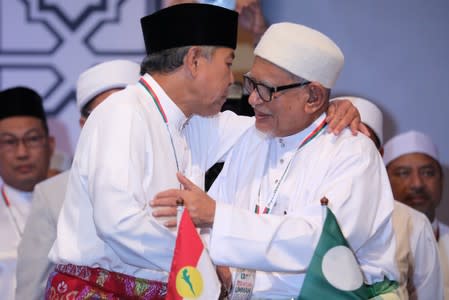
(242, 287)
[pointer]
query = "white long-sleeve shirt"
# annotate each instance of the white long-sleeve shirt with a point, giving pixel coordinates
(14, 211)
(417, 255)
(346, 169)
(125, 155)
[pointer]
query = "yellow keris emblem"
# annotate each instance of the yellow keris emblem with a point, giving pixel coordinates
(189, 283)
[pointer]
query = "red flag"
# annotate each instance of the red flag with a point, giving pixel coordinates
(192, 273)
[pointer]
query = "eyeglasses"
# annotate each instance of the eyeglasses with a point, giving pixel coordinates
(266, 92)
(9, 143)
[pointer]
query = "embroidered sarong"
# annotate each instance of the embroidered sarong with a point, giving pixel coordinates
(80, 283)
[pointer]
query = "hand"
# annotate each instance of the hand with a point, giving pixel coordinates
(225, 276)
(201, 207)
(342, 113)
(164, 211)
(251, 17)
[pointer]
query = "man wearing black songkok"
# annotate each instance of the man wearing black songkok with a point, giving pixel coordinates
(25, 151)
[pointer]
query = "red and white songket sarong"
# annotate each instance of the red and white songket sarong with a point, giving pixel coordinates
(79, 283)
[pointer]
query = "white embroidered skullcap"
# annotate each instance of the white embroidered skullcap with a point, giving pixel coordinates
(369, 113)
(105, 76)
(409, 142)
(302, 51)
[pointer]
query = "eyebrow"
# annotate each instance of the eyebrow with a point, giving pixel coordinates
(37, 130)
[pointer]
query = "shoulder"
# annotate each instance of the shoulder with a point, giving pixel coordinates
(345, 145)
(119, 105)
(55, 181)
(418, 219)
(51, 189)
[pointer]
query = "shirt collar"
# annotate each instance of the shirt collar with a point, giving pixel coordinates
(15, 195)
(174, 114)
(291, 141)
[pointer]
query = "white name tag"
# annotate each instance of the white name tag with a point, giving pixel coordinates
(242, 287)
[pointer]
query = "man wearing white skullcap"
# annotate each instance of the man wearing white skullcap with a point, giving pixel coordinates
(416, 249)
(416, 178)
(33, 267)
(268, 216)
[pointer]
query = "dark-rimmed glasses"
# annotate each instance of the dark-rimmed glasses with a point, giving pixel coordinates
(266, 92)
(10, 142)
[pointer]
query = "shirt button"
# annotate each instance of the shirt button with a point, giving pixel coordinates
(276, 181)
(281, 160)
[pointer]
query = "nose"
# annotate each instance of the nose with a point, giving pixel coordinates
(254, 98)
(416, 180)
(231, 78)
(22, 150)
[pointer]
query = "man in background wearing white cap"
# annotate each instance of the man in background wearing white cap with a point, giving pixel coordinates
(416, 178)
(416, 249)
(33, 267)
(268, 215)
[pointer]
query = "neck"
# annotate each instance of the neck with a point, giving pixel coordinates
(178, 89)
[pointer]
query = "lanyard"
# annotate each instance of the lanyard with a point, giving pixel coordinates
(163, 115)
(269, 205)
(10, 212)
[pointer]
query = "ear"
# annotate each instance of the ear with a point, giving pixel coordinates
(192, 60)
(82, 120)
(317, 98)
(51, 144)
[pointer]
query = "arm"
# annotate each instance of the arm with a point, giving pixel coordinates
(353, 180)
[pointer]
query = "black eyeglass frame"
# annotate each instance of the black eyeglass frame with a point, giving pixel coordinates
(272, 90)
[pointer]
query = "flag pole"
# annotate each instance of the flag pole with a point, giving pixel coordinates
(324, 202)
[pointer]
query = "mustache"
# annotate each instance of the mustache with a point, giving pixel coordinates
(418, 193)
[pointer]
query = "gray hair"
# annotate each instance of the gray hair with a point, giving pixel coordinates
(167, 61)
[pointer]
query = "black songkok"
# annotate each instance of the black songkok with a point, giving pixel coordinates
(21, 101)
(189, 24)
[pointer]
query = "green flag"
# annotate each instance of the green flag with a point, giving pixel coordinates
(334, 272)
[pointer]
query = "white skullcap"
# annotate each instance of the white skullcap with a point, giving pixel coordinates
(369, 113)
(302, 51)
(105, 76)
(409, 142)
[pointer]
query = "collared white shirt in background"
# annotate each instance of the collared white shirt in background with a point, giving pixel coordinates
(12, 222)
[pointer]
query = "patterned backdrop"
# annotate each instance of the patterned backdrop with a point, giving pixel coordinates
(46, 44)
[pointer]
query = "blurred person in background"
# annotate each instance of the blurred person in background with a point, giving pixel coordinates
(416, 177)
(25, 151)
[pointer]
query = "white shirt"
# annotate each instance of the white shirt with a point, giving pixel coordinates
(416, 255)
(443, 245)
(38, 237)
(346, 169)
(123, 158)
(12, 222)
